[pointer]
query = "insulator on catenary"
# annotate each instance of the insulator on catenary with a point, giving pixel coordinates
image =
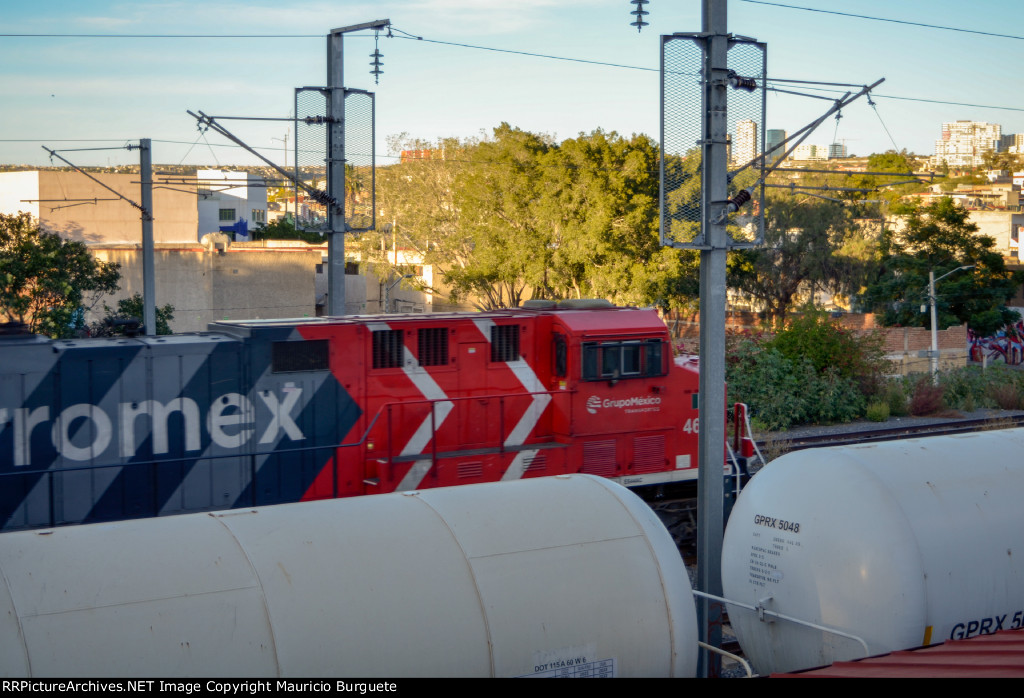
(741, 83)
(639, 13)
(375, 65)
(742, 197)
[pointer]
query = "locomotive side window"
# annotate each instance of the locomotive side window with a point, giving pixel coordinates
(288, 357)
(433, 346)
(387, 349)
(616, 360)
(561, 356)
(504, 343)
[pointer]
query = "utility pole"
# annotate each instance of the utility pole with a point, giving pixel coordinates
(934, 353)
(284, 142)
(336, 163)
(148, 271)
(146, 214)
(336, 173)
(710, 486)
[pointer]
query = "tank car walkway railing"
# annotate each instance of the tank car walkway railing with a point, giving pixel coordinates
(735, 657)
(761, 612)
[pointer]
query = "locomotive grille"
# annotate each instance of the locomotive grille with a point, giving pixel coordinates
(307, 355)
(537, 463)
(504, 343)
(433, 343)
(599, 458)
(387, 348)
(649, 453)
(474, 469)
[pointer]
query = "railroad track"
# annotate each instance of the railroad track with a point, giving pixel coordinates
(906, 431)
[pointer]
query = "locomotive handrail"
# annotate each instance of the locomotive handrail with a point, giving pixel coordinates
(734, 469)
(431, 402)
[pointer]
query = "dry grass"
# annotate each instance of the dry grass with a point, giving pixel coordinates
(1005, 395)
(998, 423)
(772, 447)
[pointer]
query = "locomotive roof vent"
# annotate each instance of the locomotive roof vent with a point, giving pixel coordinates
(567, 304)
(584, 303)
(538, 304)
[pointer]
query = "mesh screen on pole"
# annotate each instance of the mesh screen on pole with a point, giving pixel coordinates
(310, 156)
(311, 107)
(360, 173)
(683, 137)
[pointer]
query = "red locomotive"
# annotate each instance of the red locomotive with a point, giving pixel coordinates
(260, 412)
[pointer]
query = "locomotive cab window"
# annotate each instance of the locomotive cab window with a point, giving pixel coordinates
(561, 356)
(619, 360)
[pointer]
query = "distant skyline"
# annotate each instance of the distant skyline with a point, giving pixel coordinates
(81, 92)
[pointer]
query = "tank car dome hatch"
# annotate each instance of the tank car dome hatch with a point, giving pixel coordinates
(570, 575)
(901, 543)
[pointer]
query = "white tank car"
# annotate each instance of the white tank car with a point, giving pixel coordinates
(901, 543)
(571, 575)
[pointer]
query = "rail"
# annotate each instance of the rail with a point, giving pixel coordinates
(905, 431)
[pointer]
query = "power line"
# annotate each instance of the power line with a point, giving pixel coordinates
(527, 53)
(885, 19)
(920, 99)
(162, 36)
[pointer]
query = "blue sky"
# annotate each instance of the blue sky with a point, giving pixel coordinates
(92, 92)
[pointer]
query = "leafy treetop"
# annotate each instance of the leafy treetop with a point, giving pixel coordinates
(45, 280)
(939, 237)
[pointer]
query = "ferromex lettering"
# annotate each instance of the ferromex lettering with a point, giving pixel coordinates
(83, 431)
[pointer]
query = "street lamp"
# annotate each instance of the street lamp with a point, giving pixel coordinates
(934, 353)
(387, 291)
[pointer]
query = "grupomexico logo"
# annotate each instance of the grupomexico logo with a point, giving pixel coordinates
(594, 403)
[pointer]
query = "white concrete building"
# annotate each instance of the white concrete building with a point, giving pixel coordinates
(809, 151)
(964, 142)
(230, 200)
(745, 144)
(80, 208)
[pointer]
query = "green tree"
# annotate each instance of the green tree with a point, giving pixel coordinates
(497, 197)
(939, 238)
(809, 244)
(599, 206)
(417, 213)
(517, 216)
(1010, 162)
(117, 320)
(284, 229)
(888, 187)
(814, 336)
(46, 281)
